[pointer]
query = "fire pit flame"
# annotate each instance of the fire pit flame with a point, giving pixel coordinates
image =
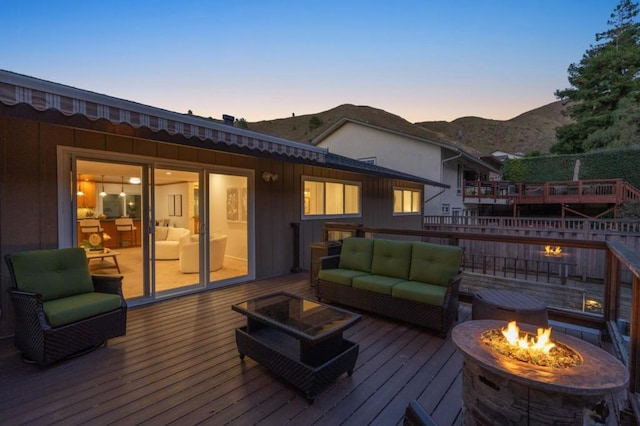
(552, 251)
(538, 350)
(541, 343)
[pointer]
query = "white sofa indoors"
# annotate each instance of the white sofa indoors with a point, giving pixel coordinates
(169, 242)
(189, 254)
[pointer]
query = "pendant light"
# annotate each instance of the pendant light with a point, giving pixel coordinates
(122, 193)
(80, 193)
(102, 193)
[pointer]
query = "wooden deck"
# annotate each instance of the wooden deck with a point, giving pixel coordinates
(178, 364)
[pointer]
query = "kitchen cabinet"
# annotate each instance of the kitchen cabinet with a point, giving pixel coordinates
(88, 200)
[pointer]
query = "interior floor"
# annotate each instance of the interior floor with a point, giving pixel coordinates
(168, 275)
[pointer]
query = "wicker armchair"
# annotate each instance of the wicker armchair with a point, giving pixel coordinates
(62, 310)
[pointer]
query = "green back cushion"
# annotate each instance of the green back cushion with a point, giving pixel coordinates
(434, 263)
(53, 273)
(356, 254)
(391, 258)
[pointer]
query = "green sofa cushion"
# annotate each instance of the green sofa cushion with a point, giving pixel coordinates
(53, 273)
(339, 276)
(70, 309)
(356, 254)
(376, 283)
(391, 258)
(419, 292)
(434, 263)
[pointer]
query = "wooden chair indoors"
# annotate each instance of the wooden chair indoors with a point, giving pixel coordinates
(125, 227)
(62, 310)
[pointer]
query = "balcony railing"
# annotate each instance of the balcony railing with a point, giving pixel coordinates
(619, 315)
(609, 191)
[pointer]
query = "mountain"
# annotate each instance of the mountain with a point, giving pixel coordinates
(533, 130)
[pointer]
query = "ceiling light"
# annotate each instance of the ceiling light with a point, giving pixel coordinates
(80, 193)
(134, 180)
(102, 193)
(122, 193)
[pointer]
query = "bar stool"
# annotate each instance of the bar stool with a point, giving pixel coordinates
(123, 225)
(90, 226)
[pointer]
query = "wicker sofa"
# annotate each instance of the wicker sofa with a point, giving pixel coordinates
(411, 281)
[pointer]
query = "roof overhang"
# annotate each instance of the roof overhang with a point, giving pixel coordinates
(41, 95)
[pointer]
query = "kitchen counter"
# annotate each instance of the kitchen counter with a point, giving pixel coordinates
(116, 239)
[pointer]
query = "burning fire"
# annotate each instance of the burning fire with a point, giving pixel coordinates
(525, 347)
(540, 343)
(552, 251)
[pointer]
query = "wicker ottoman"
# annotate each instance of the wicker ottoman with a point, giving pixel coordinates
(509, 305)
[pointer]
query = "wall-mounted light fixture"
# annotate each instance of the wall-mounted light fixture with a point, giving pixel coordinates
(269, 177)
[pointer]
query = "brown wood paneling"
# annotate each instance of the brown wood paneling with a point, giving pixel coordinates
(119, 144)
(89, 140)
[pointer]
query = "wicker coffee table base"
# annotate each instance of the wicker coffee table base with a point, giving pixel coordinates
(277, 352)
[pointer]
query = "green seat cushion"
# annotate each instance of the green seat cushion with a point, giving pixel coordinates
(70, 309)
(339, 275)
(53, 273)
(434, 263)
(420, 292)
(391, 258)
(356, 254)
(376, 283)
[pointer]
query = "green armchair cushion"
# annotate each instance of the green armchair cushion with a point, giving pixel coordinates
(53, 273)
(375, 283)
(434, 264)
(356, 254)
(70, 309)
(339, 276)
(391, 258)
(420, 292)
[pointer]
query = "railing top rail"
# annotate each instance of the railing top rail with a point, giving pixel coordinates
(516, 239)
(627, 255)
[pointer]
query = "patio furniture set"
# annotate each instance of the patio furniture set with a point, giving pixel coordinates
(61, 310)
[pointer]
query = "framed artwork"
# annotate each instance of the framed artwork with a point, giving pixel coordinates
(175, 205)
(237, 204)
(233, 204)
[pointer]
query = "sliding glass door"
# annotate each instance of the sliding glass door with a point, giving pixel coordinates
(166, 229)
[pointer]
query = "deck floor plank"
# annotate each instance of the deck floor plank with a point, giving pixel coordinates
(178, 364)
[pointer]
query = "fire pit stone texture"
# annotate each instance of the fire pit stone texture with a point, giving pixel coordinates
(500, 390)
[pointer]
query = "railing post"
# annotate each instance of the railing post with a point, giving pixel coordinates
(634, 336)
(611, 286)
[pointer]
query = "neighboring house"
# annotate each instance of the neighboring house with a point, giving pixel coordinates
(68, 154)
(436, 161)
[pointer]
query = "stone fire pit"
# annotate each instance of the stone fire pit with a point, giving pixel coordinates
(501, 390)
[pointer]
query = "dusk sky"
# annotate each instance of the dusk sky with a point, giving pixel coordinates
(266, 59)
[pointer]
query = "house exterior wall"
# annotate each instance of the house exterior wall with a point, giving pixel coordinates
(401, 153)
(29, 200)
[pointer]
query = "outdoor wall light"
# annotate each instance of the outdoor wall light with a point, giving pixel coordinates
(269, 177)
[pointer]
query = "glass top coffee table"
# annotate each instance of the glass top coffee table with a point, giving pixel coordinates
(297, 339)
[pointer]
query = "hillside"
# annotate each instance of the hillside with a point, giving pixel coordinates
(533, 130)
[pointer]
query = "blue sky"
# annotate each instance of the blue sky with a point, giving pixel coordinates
(266, 59)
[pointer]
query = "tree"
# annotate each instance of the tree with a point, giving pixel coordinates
(607, 78)
(242, 123)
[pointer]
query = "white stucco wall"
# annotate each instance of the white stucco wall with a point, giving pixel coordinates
(400, 153)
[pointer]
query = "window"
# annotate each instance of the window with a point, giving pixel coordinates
(369, 160)
(330, 198)
(446, 209)
(406, 201)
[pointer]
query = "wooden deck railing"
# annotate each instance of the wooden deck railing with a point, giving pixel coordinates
(607, 191)
(617, 256)
(571, 224)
